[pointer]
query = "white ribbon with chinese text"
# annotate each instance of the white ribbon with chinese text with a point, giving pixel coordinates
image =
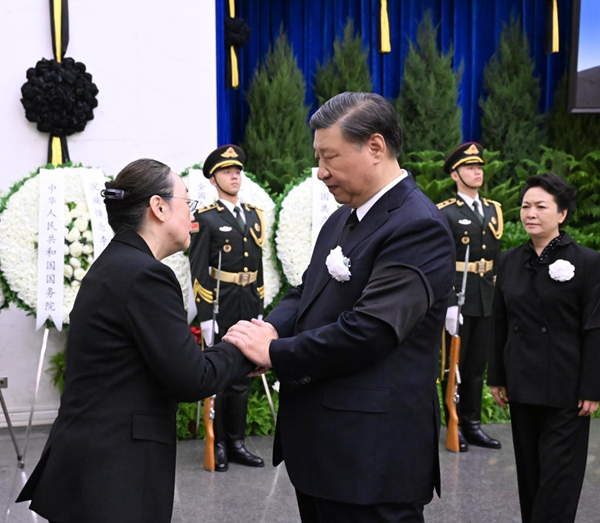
(323, 205)
(93, 182)
(51, 250)
(200, 188)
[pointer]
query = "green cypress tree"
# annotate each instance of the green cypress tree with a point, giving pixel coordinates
(511, 121)
(347, 70)
(428, 103)
(575, 133)
(278, 141)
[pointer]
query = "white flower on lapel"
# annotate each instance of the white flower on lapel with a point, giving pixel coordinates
(561, 270)
(338, 265)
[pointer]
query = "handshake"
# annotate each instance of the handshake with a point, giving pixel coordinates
(252, 338)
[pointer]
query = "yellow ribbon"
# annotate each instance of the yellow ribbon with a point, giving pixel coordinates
(57, 153)
(57, 156)
(555, 26)
(235, 76)
(57, 5)
(386, 46)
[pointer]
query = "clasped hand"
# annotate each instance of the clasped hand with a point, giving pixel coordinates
(253, 339)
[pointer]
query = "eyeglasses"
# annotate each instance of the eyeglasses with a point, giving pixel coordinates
(193, 204)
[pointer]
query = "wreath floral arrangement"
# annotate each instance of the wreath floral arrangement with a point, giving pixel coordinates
(294, 228)
(59, 97)
(19, 237)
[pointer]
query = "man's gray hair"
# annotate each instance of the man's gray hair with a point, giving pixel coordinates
(360, 115)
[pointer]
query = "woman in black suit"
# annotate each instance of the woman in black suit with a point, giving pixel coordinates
(110, 456)
(546, 355)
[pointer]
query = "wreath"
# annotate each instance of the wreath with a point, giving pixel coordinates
(59, 97)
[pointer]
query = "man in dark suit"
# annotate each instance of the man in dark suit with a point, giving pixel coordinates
(236, 232)
(355, 346)
(478, 223)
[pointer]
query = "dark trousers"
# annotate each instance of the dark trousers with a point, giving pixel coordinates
(474, 343)
(319, 510)
(231, 407)
(231, 404)
(550, 451)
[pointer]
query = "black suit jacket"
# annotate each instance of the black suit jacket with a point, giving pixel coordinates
(130, 357)
(547, 332)
(357, 360)
(484, 245)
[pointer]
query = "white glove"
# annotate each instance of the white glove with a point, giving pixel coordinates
(259, 317)
(451, 314)
(207, 332)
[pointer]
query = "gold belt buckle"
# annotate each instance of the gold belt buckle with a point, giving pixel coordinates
(481, 266)
(244, 278)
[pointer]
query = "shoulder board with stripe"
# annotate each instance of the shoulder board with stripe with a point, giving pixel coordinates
(446, 203)
(493, 202)
(250, 206)
(208, 208)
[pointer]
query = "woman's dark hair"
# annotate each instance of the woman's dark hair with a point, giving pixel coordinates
(128, 196)
(565, 195)
(360, 115)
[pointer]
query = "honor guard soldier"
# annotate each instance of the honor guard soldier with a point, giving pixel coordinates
(235, 230)
(476, 222)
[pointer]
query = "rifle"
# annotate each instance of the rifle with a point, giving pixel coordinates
(452, 396)
(209, 403)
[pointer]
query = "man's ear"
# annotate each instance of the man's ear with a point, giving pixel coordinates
(157, 208)
(377, 146)
(213, 181)
(454, 175)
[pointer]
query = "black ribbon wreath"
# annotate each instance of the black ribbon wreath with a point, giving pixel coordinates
(237, 32)
(59, 97)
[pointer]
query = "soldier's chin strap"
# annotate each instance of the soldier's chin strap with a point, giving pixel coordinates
(233, 195)
(457, 174)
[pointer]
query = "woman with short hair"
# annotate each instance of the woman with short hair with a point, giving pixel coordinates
(546, 354)
(131, 357)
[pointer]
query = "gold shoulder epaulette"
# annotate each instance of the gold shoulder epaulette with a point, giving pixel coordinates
(250, 206)
(493, 202)
(446, 203)
(207, 208)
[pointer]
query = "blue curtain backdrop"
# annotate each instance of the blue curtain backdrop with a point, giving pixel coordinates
(473, 26)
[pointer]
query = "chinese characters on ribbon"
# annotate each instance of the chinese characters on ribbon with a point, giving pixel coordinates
(200, 188)
(323, 205)
(51, 250)
(93, 182)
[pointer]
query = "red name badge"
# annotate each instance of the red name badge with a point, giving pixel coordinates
(195, 227)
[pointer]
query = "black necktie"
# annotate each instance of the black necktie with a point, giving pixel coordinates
(477, 213)
(349, 226)
(238, 218)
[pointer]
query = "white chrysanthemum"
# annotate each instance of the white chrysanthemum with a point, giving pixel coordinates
(87, 236)
(561, 270)
(78, 274)
(75, 263)
(88, 249)
(73, 235)
(68, 271)
(293, 239)
(76, 249)
(82, 224)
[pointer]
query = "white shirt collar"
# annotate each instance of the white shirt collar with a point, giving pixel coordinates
(231, 206)
(469, 201)
(366, 207)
